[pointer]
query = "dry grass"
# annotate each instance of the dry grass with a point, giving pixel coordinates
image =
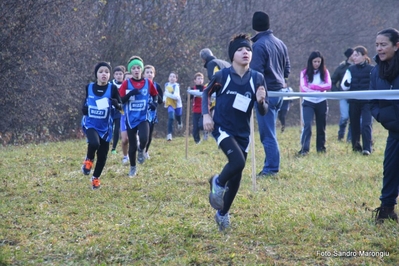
(315, 211)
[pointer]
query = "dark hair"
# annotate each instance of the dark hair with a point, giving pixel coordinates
(120, 68)
(309, 67)
(390, 70)
(238, 41)
(362, 50)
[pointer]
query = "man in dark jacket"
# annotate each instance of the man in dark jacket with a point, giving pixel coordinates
(336, 79)
(269, 57)
(211, 63)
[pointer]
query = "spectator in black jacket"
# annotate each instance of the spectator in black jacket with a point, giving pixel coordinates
(357, 78)
(385, 76)
(336, 79)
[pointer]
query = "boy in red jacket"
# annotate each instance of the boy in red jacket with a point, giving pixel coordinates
(196, 98)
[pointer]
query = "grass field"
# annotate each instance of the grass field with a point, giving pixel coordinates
(316, 211)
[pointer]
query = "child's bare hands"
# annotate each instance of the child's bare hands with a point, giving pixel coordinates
(208, 122)
(260, 94)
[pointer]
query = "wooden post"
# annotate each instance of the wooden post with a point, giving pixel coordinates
(187, 121)
(253, 161)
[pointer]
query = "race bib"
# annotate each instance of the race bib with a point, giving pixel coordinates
(241, 102)
(102, 103)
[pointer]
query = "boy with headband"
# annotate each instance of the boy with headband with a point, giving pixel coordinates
(238, 88)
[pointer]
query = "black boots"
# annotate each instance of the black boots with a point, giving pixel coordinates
(383, 213)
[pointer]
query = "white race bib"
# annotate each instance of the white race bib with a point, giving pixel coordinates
(241, 102)
(102, 103)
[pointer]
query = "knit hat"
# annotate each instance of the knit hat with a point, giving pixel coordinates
(97, 67)
(348, 52)
(205, 53)
(260, 21)
(236, 44)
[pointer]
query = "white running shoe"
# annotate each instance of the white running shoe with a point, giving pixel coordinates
(125, 160)
(169, 137)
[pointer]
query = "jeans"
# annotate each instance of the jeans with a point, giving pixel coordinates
(390, 181)
(267, 132)
(343, 121)
(361, 124)
(310, 110)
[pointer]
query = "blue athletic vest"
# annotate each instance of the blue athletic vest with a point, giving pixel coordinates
(231, 120)
(115, 112)
(152, 114)
(99, 119)
(136, 108)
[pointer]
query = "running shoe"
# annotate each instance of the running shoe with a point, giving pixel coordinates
(95, 182)
(86, 167)
(217, 193)
(132, 172)
(223, 222)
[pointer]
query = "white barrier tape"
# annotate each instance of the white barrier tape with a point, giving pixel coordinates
(358, 95)
(290, 98)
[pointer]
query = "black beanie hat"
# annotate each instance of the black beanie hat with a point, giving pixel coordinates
(100, 65)
(348, 52)
(260, 21)
(237, 43)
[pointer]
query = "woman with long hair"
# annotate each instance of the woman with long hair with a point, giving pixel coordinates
(314, 78)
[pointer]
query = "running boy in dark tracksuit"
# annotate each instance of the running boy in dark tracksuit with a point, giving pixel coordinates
(238, 88)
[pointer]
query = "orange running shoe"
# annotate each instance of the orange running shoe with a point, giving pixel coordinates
(86, 167)
(95, 182)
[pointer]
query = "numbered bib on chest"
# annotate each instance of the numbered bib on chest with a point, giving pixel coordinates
(241, 102)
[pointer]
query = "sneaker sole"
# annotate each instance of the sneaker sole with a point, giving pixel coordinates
(85, 172)
(215, 205)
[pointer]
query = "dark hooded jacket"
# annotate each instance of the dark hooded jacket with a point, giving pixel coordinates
(213, 65)
(270, 57)
(385, 111)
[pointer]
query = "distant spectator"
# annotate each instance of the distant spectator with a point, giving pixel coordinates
(336, 79)
(314, 78)
(357, 78)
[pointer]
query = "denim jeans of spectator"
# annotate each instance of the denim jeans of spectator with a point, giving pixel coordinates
(268, 137)
(343, 121)
(390, 182)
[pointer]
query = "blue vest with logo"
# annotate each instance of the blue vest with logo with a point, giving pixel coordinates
(99, 119)
(136, 108)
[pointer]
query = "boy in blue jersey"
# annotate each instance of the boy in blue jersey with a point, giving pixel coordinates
(97, 120)
(149, 73)
(238, 88)
(119, 73)
(136, 93)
